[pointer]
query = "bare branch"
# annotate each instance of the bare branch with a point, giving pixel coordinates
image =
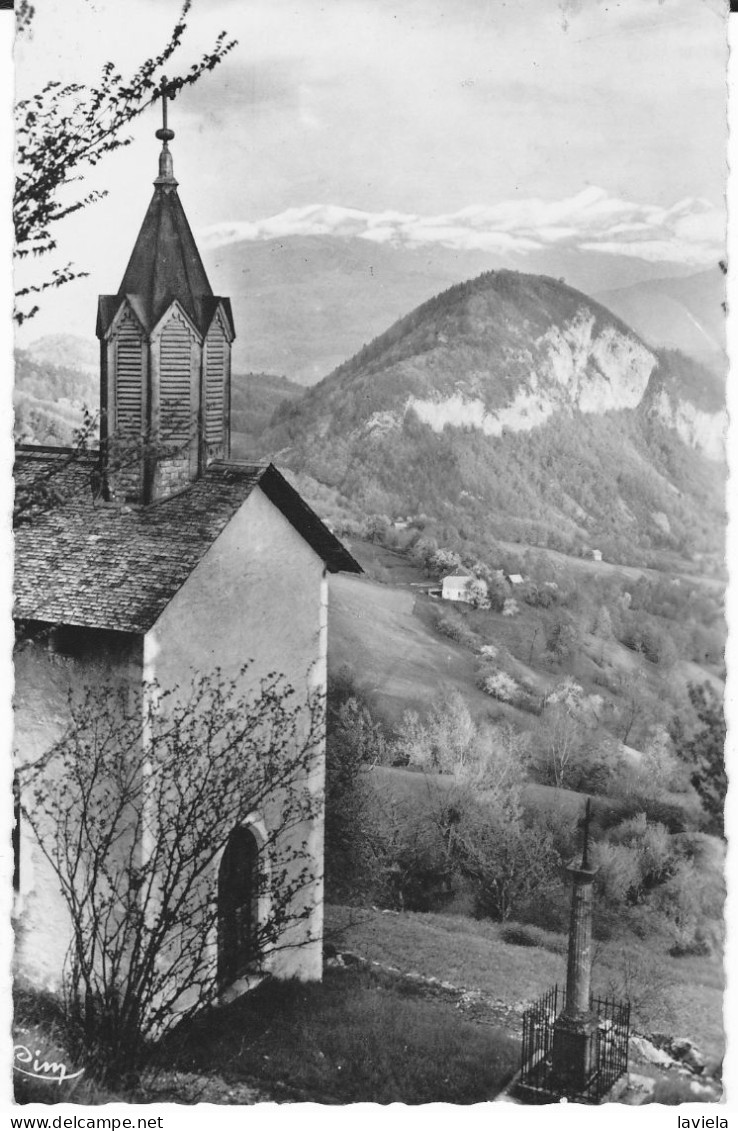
(132, 809)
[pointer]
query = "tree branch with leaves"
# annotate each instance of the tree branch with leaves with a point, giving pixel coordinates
(64, 130)
(701, 745)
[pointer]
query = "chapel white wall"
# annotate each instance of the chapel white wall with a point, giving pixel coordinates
(44, 679)
(259, 594)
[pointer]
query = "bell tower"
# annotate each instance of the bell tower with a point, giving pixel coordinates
(165, 355)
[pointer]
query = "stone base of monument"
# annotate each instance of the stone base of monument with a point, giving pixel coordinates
(574, 1057)
(577, 1054)
(622, 1091)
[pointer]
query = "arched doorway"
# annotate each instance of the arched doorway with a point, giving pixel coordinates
(238, 902)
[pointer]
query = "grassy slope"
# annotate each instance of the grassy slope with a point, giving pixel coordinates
(384, 633)
(374, 630)
(357, 1037)
(421, 791)
(465, 952)
(589, 568)
(378, 631)
(686, 997)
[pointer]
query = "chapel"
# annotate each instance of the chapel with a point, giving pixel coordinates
(158, 560)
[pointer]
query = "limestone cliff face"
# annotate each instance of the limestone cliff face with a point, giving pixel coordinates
(576, 365)
(699, 429)
(514, 402)
(506, 352)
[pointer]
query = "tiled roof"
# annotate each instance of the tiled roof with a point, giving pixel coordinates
(101, 565)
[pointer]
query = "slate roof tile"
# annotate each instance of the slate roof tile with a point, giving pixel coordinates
(101, 565)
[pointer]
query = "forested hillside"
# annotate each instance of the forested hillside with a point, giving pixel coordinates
(514, 407)
(254, 399)
(58, 378)
(49, 396)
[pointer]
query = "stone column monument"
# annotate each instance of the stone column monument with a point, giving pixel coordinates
(575, 1029)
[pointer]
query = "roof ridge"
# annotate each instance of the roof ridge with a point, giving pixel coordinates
(125, 579)
(240, 463)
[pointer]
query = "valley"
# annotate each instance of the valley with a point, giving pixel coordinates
(403, 654)
(508, 428)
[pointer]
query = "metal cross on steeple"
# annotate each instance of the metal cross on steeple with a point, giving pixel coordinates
(165, 135)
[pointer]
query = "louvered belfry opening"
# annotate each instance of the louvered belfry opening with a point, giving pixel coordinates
(217, 358)
(175, 364)
(129, 378)
(123, 406)
(172, 446)
(165, 358)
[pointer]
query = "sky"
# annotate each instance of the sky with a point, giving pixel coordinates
(496, 124)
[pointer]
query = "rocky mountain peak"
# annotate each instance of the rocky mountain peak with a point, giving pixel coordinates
(507, 351)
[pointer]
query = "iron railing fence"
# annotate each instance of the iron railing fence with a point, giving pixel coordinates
(538, 1082)
(538, 1031)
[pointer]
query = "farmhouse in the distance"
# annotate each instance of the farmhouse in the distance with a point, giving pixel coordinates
(173, 563)
(455, 587)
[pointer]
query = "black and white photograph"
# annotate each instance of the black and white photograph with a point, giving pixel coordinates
(369, 541)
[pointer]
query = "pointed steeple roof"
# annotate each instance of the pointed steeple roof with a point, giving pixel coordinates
(165, 265)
